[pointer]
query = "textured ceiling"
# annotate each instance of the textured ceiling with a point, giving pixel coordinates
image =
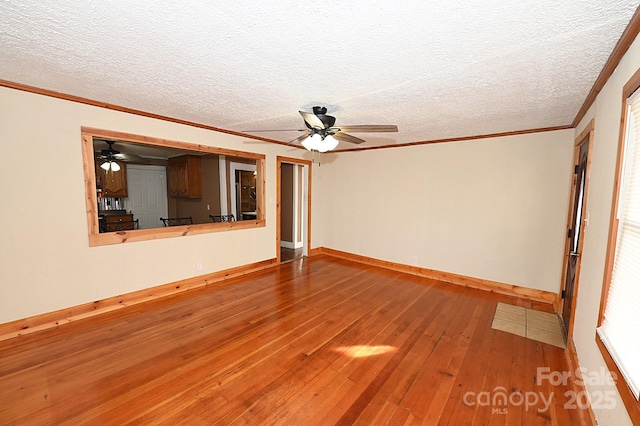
(438, 69)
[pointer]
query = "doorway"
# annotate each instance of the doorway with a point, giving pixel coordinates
(293, 207)
(576, 224)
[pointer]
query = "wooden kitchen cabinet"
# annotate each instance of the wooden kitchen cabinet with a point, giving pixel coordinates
(185, 176)
(113, 184)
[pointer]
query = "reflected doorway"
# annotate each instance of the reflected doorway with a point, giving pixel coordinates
(242, 192)
(245, 195)
(293, 203)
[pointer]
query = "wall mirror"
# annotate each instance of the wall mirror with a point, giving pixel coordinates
(141, 188)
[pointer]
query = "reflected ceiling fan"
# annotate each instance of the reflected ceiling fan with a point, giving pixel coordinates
(111, 155)
(322, 135)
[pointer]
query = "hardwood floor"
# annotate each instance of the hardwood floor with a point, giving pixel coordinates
(314, 341)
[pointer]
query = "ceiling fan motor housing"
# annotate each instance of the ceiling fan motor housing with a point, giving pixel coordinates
(110, 151)
(321, 113)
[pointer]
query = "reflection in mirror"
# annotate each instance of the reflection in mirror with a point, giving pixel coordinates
(144, 183)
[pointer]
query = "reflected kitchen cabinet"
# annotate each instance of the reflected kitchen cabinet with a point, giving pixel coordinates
(185, 176)
(117, 220)
(113, 183)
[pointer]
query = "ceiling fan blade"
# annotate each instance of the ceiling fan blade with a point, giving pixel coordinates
(368, 128)
(312, 120)
(109, 151)
(125, 158)
(344, 137)
(274, 130)
(299, 138)
(130, 157)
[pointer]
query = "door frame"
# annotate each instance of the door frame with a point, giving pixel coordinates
(586, 136)
(295, 161)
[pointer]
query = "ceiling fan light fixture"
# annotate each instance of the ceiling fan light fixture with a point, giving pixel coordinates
(329, 143)
(316, 142)
(115, 167)
(313, 142)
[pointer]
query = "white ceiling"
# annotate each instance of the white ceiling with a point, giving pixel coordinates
(437, 69)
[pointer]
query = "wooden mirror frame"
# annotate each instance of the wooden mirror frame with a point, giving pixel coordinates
(98, 239)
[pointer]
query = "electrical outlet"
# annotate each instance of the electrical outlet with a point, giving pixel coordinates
(199, 266)
(414, 259)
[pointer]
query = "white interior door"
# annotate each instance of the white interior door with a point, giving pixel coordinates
(147, 201)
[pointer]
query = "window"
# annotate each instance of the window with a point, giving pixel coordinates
(135, 184)
(617, 333)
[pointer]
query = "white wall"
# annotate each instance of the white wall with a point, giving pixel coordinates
(45, 259)
(607, 113)
(490, 208)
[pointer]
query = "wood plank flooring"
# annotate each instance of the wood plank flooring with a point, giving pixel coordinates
(317, 341)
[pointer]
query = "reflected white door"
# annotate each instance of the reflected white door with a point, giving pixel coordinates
(147, 187)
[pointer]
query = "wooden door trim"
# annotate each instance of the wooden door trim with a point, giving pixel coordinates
(290, 160)
(586, 136)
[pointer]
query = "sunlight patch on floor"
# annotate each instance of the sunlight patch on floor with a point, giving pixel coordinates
(361, 351)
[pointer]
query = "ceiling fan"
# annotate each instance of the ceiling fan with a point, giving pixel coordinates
(322, 135)
(111, 155)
